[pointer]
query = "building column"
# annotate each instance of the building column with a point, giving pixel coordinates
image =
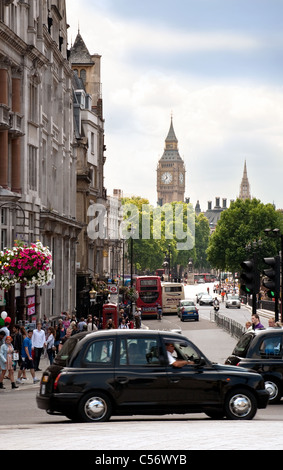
(16, 165)
(4, 159)
(16, 143)
(4, 153)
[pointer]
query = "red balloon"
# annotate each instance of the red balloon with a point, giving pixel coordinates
(7, 320)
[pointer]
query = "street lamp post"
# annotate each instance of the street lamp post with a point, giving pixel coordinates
(92, 298)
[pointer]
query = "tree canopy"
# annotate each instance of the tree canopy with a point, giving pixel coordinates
(157, 231)
(240, 226)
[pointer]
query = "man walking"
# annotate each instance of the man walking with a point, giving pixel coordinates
(27, 362)
(38, 340)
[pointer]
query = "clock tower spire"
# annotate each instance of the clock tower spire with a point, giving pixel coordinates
(170, 171)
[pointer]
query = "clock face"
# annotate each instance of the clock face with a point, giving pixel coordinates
(181, 178)
(166, 178)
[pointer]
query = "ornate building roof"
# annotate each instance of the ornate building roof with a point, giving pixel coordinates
(79, 54)
(171, 151)
(245, 185)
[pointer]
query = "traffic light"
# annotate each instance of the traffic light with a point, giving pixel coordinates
(272, 280)
(250, 278)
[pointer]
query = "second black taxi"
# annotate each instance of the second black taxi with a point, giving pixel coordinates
(262, 351)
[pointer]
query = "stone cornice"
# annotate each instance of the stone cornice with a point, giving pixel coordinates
(7, 36)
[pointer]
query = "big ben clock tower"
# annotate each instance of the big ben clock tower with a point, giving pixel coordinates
(170, 172)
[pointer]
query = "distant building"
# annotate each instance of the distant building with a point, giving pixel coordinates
(213, 213)
(245, 185)
(89, 150)
(170, 172)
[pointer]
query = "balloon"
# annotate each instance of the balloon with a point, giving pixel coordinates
(4, 315)
(7, 320)
(2, 323)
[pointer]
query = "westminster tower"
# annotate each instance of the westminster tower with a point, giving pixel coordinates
(170, 172)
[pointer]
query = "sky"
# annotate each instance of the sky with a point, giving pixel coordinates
(215, 66)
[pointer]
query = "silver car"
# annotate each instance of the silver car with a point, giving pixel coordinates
(206, 299)
(233, 301)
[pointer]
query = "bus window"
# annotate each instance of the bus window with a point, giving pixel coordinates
(172, 293)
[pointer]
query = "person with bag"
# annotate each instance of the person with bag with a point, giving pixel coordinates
(6, 361)
(50, 344)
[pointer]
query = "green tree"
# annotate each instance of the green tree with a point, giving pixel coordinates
(154, 229)
(239, 226)
(202, 234)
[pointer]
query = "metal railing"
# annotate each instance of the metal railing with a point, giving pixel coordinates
(231, 326)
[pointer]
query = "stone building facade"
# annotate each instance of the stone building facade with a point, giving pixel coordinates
(37, 162)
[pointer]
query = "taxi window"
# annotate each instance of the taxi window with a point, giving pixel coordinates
(271, 347)
(139, 351)
(186, 351)
(99, 352)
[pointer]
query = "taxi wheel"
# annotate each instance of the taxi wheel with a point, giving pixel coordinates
(274, 390)
(94, 407)
(240, 404)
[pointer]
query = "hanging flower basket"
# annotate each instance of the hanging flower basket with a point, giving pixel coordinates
(132, 294)
(29, 264)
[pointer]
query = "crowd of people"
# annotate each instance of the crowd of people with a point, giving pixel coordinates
(255, 323)
(21, 348)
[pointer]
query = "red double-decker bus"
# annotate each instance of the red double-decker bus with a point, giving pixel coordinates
(150, 295)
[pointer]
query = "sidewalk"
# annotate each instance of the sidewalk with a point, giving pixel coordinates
(44, 363)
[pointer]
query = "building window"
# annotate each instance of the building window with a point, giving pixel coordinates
(83, 75)
(4, 224)
(33, 103)
(92, 143)
(32, 168)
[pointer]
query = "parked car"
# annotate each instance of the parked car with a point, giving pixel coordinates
(233, 301)
(261, 351)
(206, 299)
(126, 372)
(187, 310)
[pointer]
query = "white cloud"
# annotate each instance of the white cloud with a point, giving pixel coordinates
(219, 122)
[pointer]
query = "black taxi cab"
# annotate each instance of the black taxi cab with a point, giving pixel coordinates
(125, 372)
(262, 351)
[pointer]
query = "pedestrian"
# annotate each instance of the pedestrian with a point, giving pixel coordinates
(123, 324)
(60, 333)
(6, 326)
(17, 343)
(256, 322)
(249, 326)
(6, 361)
(110, 324)
(38, 341)
(137, 318)
(2, 337)
(68, 334)
(27, 363)
(50, 348)
(82, 323)
(74, 327)
(91, 323)
(24, 334)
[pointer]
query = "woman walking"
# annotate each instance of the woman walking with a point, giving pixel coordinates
(6, 361)
(50, 344)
